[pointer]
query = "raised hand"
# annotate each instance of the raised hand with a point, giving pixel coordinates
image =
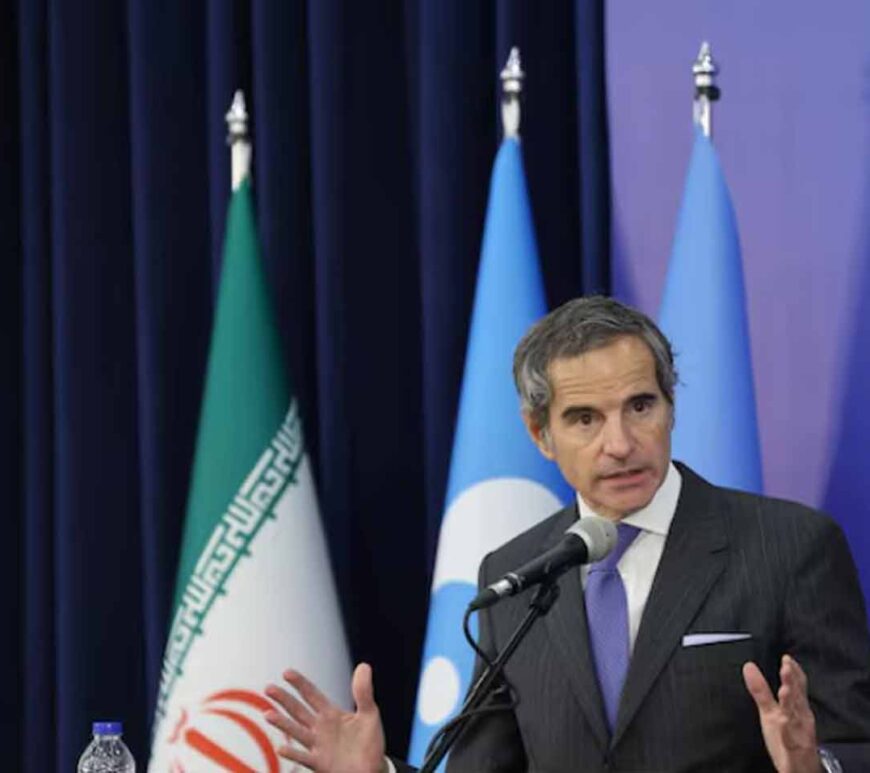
(330, 739)
(787, 721)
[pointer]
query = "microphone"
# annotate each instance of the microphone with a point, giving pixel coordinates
(587, 540)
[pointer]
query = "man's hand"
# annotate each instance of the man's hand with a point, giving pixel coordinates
(787, 721)
(331, 740)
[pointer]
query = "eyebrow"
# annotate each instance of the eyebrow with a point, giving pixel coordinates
(642, 396)
(571, 410)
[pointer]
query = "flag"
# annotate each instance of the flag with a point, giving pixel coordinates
(254, 591)
(499, 484)
(703, 313)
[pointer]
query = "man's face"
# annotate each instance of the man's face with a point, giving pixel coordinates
(610, 426)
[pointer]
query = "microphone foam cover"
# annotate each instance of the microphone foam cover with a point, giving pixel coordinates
(598, 533)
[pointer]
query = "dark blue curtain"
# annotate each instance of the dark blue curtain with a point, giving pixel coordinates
(374, 127)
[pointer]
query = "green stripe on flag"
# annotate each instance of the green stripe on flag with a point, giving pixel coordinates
(229, 542)
(246, 388)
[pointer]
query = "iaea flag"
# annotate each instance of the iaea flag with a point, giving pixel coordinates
(499, 484)
(703, 313)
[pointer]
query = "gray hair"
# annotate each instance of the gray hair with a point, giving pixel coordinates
(575, 328)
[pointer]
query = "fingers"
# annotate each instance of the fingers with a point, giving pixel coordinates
(791, 672)
(296, 726)
(295, 754)
(758, 688)
(792, 694)
(793, 690)
(308, 690)
(362, 688)
(294, 707)
(290, 728)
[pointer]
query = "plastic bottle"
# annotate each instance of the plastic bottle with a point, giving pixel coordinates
(107, 753)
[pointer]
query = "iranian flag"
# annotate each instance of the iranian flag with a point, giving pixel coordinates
(254, 592)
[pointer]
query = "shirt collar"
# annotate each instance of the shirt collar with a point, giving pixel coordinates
(658, 514)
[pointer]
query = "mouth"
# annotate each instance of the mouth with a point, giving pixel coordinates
(628, 477)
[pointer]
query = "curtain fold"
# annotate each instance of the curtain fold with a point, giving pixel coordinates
(12, 307)
(172, 289)
(457, 136)
(23, 731)
(97, 561)
(366, 284)
(374, 130)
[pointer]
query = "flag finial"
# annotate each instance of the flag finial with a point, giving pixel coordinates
(707, 92)
(512, 77)
(238, 139)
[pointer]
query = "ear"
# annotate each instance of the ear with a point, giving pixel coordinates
(539, 435)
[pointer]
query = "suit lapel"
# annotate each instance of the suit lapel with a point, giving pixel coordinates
(566, 625)
(694, 556)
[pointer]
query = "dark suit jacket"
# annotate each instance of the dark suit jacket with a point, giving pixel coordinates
(733, 562)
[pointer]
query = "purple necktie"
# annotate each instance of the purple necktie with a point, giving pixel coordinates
(607, 615)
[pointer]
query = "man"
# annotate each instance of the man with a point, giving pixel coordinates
(664, 658)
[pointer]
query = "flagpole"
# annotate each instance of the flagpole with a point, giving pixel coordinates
(707, 92)
(238, 139)
(512, 77)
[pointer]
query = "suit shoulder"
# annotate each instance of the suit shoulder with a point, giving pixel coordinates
(746, 504)
(750, 517)
(776, 514)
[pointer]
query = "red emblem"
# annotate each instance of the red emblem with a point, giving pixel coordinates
(227, 714)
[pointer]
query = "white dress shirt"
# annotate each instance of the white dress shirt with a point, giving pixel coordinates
(639, 563)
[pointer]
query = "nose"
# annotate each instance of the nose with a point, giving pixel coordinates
(617, 441)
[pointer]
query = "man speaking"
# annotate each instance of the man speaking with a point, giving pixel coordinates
(725, 632)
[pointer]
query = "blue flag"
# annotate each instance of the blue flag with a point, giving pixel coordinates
(499, 484)
(704, 314)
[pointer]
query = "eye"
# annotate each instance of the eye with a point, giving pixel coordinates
(642, 403)
(584, 417)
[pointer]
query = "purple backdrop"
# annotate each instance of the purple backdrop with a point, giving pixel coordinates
(792, 134)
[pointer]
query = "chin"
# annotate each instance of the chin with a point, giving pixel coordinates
(632, 504)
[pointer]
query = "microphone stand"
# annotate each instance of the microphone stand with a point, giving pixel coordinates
(540, 604)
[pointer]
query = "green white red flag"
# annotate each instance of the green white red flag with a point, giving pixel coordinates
(254, 593)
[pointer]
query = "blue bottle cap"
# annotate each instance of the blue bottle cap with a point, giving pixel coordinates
(108, 728)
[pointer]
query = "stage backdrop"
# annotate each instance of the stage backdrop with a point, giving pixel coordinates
(375, 126)
(792, 132)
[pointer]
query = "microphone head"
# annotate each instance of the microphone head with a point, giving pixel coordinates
(598, 533)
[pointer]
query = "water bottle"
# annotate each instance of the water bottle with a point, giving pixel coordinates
(107, 753)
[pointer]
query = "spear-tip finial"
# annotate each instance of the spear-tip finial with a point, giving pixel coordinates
(704, 71)
(705, 68)
(238, 140)
(512, 77)
(237, 119)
